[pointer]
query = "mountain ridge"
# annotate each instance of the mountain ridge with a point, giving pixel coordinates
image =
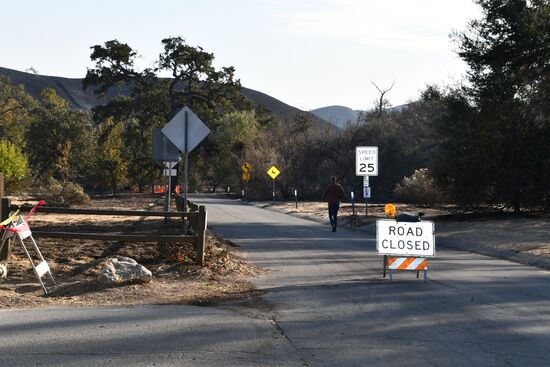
(336, 114)
(71, 90)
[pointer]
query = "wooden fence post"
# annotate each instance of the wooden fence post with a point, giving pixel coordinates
(201, 236)
(1, 185)
(5, 209)
(4, 214)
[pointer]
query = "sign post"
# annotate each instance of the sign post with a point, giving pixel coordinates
(273, 172)
(186, 166)
(366, 164)
(186, 131)
(246, 167)
(353, 215)
(169, 171)
(366, 193)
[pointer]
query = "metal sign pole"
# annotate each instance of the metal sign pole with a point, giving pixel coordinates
(166, 198)
(352, 208)
(186, 169)
(273, 189)
(165, 207)
(169, 188)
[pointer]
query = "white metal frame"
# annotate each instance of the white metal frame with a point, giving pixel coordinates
(40, 269)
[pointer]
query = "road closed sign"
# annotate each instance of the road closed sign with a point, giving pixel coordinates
(405, 238)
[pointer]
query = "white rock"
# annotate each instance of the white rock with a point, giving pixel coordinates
(123, 270)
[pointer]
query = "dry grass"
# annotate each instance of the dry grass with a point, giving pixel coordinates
(76, 263)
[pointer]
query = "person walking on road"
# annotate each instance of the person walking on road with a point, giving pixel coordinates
(333, 194)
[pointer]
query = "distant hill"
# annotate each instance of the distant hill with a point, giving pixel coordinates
(341, 115)
(400, 108)
(71, 90)
(337, 115)
(280, 109)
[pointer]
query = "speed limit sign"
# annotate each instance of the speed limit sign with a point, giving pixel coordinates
(366, 161)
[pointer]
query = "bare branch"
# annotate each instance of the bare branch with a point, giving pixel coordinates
(382, 102)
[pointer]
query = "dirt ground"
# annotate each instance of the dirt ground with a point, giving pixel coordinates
(75, 263)
(364, 214)
(226, 274)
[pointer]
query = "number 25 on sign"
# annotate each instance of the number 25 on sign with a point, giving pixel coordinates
(366, 161)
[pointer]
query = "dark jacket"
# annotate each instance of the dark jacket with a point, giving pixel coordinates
(333, 193)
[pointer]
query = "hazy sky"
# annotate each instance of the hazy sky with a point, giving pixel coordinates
(306, 53)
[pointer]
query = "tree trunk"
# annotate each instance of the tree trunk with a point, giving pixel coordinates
(113, 186)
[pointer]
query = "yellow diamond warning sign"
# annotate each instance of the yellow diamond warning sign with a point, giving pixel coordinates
(273, 172)
(246, 167)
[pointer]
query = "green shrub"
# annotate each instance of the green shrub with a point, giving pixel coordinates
(419, 188)
(64, 195)
(14, 165)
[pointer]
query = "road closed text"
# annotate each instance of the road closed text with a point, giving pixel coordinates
(408, 245)
(404, 238)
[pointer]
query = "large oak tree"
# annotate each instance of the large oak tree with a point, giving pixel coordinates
(496, 135)
(147, 100)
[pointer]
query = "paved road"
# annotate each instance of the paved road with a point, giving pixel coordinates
(329, 299)
(325, 304)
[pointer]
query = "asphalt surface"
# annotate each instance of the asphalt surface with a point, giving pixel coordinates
(325, 303)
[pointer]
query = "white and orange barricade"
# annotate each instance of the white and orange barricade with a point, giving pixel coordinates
(405, 241)
(18, 228)
(407, 263)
